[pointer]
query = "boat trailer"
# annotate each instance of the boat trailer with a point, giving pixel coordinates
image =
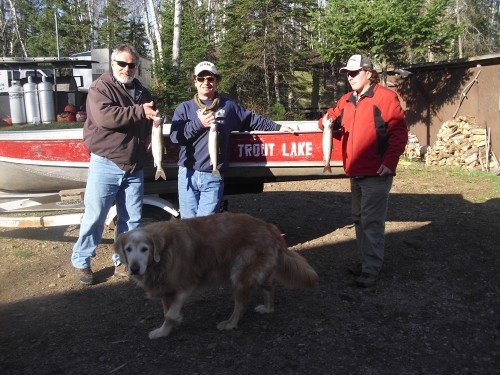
(14, 209)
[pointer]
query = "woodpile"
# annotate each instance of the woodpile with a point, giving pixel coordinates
(414, 151)
(461, 143)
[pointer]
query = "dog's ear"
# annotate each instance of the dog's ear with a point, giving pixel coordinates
(158, 244)
(118, 245)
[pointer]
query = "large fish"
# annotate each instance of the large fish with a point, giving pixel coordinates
(213, 148)
(157, 147)
(327, 144)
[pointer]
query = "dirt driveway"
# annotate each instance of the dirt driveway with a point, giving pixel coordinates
(435, 310)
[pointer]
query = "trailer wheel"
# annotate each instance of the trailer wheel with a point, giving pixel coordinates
(152, 214)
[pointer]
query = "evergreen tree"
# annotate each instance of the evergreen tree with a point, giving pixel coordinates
(395, 31)
(478, 20)
(18, 26)
(197, 44)
(263, 44)
(263, 48)
(114, 25)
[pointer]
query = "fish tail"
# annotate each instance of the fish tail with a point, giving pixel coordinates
(160, 173)
(327, 169)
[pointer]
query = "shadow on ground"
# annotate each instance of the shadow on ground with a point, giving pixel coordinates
(434, 311)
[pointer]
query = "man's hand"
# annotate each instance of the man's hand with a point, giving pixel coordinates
(207, 118)
(149, 110)
(384, 171)
(323, 121)
(286, 129)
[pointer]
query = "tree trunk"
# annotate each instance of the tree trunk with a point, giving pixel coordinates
(315, 91)
(145, 19)
(276, 80)
(266, 73)
(156, 28)
(460, 42)
(16, 27)
(176, 45)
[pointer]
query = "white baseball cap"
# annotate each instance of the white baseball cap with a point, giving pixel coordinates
(205, 66)
(357, 62)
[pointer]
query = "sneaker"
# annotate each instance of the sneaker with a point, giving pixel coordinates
(121, 271)
(355, 269)
(87, 276)
(366, 280)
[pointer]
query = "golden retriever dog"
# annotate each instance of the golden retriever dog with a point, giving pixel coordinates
(169, 260)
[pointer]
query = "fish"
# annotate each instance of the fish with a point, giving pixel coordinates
(327, 144)
(157, 147)
(213, 148)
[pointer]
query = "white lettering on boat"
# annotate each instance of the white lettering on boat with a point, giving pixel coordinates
(292, 149)
(246, 150)
(297, 149)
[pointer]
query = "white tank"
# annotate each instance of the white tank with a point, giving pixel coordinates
(46, 99)
(16, 101)
(31, 102)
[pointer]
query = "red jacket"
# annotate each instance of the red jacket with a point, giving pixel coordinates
(373, 131)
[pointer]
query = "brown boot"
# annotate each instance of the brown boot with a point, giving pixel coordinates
(87, 276)
(366, 280)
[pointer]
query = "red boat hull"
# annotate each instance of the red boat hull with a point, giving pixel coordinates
(53, 160)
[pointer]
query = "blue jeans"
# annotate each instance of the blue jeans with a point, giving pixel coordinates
(370, 198)
(107, 184)
(200, 193)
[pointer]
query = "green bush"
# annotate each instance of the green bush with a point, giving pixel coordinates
(278, 112)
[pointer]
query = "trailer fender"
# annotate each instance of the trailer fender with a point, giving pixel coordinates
(161, 203)
(148, 202)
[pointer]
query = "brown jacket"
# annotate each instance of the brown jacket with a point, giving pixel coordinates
(116, 127)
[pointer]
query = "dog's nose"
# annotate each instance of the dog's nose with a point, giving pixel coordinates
(134, 269)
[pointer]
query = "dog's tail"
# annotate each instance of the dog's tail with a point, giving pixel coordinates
(293, 271)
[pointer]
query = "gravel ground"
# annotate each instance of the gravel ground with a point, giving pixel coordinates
(434, 311)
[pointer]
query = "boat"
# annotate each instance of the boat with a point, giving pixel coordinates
(49, 160)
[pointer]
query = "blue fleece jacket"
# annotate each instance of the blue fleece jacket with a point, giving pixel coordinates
(188, 131)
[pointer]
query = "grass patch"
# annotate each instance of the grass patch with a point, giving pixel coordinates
(23, 254)
(477, 186)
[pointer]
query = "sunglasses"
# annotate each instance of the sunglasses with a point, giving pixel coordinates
(203, 79)
(354, 74)
(123, 64)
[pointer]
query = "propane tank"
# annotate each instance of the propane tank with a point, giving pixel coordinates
(16, 101)
(46, 99)
(31, 102)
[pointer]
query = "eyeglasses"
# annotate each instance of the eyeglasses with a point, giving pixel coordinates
(208, 79)
(354, 74)
(123, 64)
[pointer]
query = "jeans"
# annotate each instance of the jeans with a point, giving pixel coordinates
(107, 184)
(200, 193)
(370, 198)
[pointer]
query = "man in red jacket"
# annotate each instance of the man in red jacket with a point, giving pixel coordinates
(370, 123)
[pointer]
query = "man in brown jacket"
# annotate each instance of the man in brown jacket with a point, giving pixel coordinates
(116, 132)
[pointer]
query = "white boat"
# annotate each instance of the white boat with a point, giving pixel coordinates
(54, 160)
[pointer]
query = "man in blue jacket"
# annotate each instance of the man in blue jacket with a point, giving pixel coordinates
(200, 183)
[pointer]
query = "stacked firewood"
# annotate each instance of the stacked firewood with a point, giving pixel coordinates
(414, 151)
(461, 143)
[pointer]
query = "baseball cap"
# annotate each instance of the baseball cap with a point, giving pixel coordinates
(357, 62)
(205, 66)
